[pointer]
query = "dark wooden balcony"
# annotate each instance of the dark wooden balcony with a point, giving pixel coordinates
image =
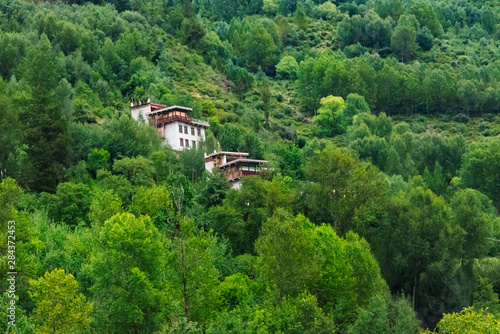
(233, 175)
(169, 119)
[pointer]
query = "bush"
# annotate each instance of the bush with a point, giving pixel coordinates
(461, 118)
(287, 68)
(484, 127)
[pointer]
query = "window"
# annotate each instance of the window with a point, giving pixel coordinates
(180, 129)
(182, 142)
(187, 143)
(185, 129)
(194, 144)
(192, 131)
(199, 132)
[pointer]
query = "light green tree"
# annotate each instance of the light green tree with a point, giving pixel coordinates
(127, 271)
(329, 118)
(192, 257)
(354, 104)
(287, 252)
(468, 321)
(287, 68)
(59, 307)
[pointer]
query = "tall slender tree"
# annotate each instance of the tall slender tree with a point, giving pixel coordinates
(44, 123)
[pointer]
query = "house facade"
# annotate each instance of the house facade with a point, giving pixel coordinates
(235, 165)
(174, 124)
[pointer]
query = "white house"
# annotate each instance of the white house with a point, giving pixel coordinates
(172, 123)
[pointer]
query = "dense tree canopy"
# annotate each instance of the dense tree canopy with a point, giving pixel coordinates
(377, 209)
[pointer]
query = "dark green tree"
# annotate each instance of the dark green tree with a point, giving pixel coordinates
(403, 41)
(425, 39)
(300, 17)
(481, 162)
(45, 125)
(260, 48)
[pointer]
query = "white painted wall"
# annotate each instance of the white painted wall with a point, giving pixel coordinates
(142, 110)
(173, 136)
(209, 166)
(236, 184)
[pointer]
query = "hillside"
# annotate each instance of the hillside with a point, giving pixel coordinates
(377, 210)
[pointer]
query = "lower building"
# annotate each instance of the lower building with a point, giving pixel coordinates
(235, 165)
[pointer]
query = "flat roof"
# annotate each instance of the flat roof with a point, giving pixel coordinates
(172, 108)
(227, 153)
(238, 161)
(153, 105)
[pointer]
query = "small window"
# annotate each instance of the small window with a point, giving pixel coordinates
(185, 129)
(180, 129)
(199, 132)
(187, 143)
(192, 131)
(182, 142)
(194, 144)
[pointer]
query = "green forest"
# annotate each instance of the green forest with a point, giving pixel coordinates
(378, 209)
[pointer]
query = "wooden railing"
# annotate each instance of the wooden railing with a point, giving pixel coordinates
(239, 173)
(163, 120)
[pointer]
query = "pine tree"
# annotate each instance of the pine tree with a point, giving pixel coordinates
(45, 125)
(300, 17)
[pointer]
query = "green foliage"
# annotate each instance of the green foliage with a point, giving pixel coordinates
(287, 236)
(354, 104)
(404, 40)
(47, 137)
(105, 204)
(197, 282)
(139, 171)
(478, 169)
(152, 201)
(159, 245)
(418, 241)
(469, 321)
(241, 215)
(192, 163)
(301, 315)
(12, 150)
(329, 118)
(300, 17)
(70, 204)
(259, 48)
(98, 159)
(426, 16)
(373, 319)
(287, 68)
(425, 39)
(214, 188)
(126, 273)
(474, 213)
(345, 190)
(59, 307)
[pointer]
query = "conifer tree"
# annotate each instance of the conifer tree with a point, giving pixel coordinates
(300, 17)
(45, 125)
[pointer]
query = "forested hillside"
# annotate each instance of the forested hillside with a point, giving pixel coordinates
(378, 210)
